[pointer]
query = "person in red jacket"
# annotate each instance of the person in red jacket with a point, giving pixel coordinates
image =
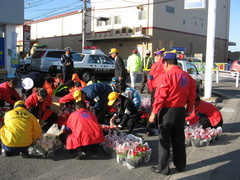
(69, 97)
(9, 93)
(39, 104)
(206, 114)
(176, 90)
(83, 130)
(155, 74)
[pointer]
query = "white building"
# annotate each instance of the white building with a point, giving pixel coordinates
(11, 14)
(142, 25)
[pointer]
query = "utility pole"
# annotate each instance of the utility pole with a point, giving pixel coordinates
(84, 22)
(211, 26)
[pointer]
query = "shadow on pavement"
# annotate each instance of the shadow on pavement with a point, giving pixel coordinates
(229, 169)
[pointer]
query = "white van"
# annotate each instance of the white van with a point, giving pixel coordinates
(43, 58)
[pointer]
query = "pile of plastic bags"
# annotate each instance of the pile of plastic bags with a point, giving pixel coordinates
(48, 143)
(129, 150)
(197, 136)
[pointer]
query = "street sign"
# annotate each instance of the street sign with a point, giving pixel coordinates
(194, 4)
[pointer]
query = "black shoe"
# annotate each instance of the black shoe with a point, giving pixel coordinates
(6, 153)
(24, 154)
(149, 133)
(81, 155)
(156, 170)
(180, 169)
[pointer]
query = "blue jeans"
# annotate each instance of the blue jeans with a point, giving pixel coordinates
(14, 149)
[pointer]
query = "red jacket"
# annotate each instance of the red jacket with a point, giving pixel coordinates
(32, 101)
(176, 88)
(7, 93)
(155, 74)
(69, 97)
(56, 84)
(48, 87)
(209, 110)
(85, 129)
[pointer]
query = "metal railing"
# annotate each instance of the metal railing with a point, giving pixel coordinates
(228, 74)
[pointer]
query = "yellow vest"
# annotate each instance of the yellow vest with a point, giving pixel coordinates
(20, 129)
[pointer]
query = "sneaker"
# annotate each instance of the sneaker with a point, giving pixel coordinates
(24, 154)
(81, 155)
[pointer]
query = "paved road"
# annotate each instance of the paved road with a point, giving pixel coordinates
(220, 160)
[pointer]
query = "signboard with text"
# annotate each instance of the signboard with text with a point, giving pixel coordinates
(26, 38)
(2, 61)
(194, 4)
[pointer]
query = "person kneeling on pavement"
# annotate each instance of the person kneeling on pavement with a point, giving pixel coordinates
(20, 130)
(206, 114)
(126, 111)
(82, 131)
(39, 104)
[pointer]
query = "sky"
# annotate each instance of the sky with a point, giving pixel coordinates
(39, 9)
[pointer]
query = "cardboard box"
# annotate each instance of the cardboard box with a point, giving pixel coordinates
(55, 104)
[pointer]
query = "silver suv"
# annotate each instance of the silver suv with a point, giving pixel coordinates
(43, 58)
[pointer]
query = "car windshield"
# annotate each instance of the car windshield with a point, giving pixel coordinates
(191, 69)
(78, 57)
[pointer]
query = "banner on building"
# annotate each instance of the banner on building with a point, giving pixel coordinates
(2, 60)
(26, 38)
(194, 4)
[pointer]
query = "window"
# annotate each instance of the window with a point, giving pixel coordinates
(55, 54)
(170, 9)
(94, 59)
(124, 30)
(191, 68)
(78, 57)
(117, 20)
(117, 31)
(99, 23)
(108, 22)
(105, 60)
(195, 23)
(142, 15)
(184, 22)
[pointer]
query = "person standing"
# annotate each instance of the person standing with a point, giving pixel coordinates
(67, 69)
(133, 66)
(19, 131)
(147, 62)
(120, 70)
(155, 73)
(176, 90)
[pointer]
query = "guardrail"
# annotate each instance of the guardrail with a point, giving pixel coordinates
(229, 74)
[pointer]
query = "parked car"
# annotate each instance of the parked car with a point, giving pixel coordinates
(43, 58)
(23, 66)
(235, 67)
(192, 70)
(89, 63)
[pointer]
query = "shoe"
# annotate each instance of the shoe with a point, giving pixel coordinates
(81, 155)
(5, 153)
(149, 133)
(24, 154)
(141, 91)
(156, 170)
(180, 169)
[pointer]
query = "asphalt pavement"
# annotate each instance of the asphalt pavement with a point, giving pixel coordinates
(219, 160)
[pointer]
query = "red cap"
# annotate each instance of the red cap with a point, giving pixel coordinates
(134, 51)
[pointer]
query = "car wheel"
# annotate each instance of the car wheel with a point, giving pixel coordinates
(27, 67)
(86, 76)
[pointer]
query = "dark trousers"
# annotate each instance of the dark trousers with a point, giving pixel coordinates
(130, 123)
(171, 126)
(67, 73)
(100, 112)
(144, 80)
(152, 125)
(205, 122)
(49, 121)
